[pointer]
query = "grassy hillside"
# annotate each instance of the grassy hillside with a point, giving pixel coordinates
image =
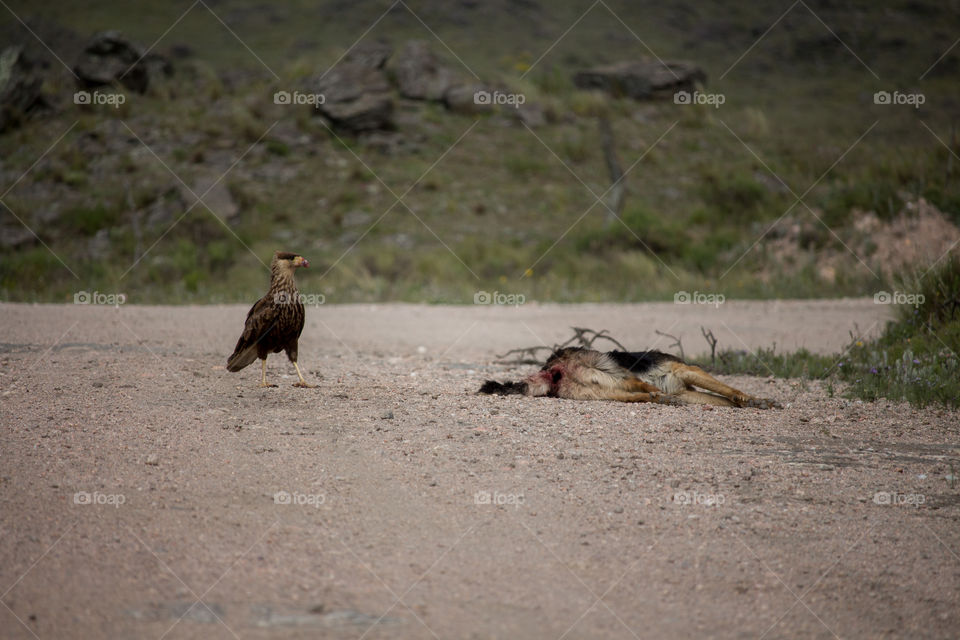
(492, 204)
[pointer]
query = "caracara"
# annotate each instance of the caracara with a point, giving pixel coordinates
(274, 323)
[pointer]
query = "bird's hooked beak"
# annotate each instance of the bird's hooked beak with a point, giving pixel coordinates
(300, 261)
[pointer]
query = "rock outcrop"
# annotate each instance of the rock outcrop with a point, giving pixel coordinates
(642, 80)
(419, 74)
(356, 96)
(110, 57)
(20, 94)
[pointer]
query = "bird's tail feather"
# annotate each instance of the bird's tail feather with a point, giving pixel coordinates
(241, 358)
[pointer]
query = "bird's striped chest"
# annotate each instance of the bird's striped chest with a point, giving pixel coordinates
(290, 317)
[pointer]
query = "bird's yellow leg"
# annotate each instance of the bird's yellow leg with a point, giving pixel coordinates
(263, 378)
(303, 383)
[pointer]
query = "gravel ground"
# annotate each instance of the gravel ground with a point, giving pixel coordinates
(148, 493)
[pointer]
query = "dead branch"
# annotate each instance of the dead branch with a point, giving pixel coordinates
(531, 352)
(582, 337)
(712, 341)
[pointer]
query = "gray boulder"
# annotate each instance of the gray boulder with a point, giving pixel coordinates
(19, 88)
(463, 98)
(418, 73)
(109, 57)
(356, 97)
(473, 99)
(370, 54)
(533, 115)
(642, 80)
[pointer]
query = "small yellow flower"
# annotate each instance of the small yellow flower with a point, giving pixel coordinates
(503, 279)
(528, 273)
(859, 343)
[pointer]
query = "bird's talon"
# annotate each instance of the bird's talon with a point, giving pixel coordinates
(304, 385)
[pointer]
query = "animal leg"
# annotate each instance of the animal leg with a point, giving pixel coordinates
(642, 396)
(263, 377)
(303, 383)
(636, 384)
(694, 376)
(699, 397)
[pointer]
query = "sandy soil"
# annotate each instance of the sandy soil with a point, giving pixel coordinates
(147, 493)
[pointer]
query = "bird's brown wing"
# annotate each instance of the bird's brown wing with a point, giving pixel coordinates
(261, 319)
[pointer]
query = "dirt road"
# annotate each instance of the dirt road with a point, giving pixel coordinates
(148, 493)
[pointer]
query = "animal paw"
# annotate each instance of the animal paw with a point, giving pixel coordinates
(761, 403)
(667, 399)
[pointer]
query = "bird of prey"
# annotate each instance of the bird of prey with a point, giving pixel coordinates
(275, 322)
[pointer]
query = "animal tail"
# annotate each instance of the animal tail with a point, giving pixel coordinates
(242, 356)
(503, 388)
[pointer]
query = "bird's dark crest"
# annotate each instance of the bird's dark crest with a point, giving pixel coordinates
(285, 255)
